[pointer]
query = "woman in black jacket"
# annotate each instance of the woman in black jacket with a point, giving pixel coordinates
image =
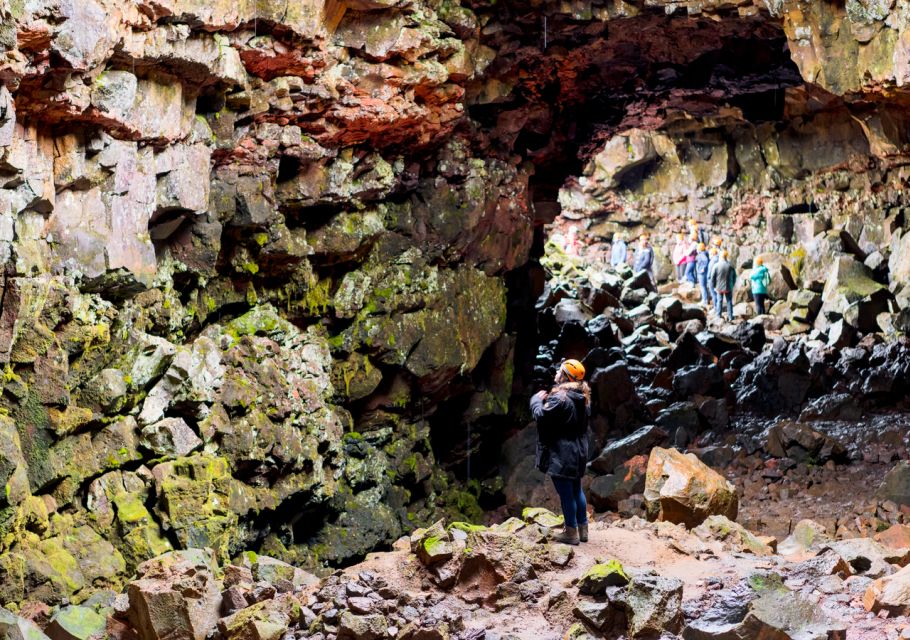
(562, 444)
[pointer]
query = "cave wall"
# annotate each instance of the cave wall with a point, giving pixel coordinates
(254, 251)
(248, 248)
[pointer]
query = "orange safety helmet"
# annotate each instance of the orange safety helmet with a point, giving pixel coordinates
(701, 246)
(573, 370)
(717, 241)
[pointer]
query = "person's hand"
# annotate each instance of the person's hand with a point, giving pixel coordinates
(541, 394)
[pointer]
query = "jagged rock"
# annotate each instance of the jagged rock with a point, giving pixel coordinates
(76, 623)
(266, 620)
(807, 536)
(617, 452)
(170, 437)
(679, 416)
(12, 627)
(826, 563)
(273, 571)
(365, 627)
(602, 616)
(653, 605)
(890, 593)
(750, 335)
(176, 596)
(867, 557)
(896, 484)
(800, 442)
(837, 406)
(718, 527)
(698, 380)
(542, 517)
(433, 545)
(680, 488)
(606, 492)
(763, 607)
(568, 311)
(896, 536)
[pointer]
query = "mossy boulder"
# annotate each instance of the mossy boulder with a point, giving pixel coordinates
(432, 545)
(541, 516)
(595, 580)
(719, 527)
(266, 620)
(77, 623)
(194, 501)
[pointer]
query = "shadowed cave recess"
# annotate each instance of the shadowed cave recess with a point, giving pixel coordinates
(280, 276)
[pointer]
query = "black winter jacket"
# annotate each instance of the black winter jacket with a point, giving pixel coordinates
(562, 430)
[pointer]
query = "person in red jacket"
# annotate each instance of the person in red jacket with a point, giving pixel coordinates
(562, 444)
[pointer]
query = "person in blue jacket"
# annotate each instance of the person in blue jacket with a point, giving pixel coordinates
(714, 256)
(644, 257)
(701, 271)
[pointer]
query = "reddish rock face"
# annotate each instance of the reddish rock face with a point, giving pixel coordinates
(176, 596)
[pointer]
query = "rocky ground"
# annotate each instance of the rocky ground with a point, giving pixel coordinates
(633, 579)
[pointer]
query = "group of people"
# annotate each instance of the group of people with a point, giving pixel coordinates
(701, 262)
(562, 412)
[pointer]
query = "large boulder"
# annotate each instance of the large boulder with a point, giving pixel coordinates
(801, 442)
(852, 293)
(680, 488)
(176, 596)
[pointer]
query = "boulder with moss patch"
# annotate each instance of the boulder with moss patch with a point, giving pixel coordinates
(680, 488)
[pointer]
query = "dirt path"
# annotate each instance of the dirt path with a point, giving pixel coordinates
(544, 618)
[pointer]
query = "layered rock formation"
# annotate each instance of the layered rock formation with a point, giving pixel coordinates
(263, 260)
(246, 254)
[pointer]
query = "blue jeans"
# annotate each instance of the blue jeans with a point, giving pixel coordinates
(690, 272)
(572, 499)
(719, 301)
(703, 283)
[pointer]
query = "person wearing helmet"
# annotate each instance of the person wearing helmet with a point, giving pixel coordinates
(644, 257)
(691, 255)
(701, 271)
(679, 256)
(562, 444)
(713, 257)
(761, 279)
(724, 279)
(697, 232)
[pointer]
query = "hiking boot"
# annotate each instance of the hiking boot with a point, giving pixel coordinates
(568, 536)
(583, 532)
